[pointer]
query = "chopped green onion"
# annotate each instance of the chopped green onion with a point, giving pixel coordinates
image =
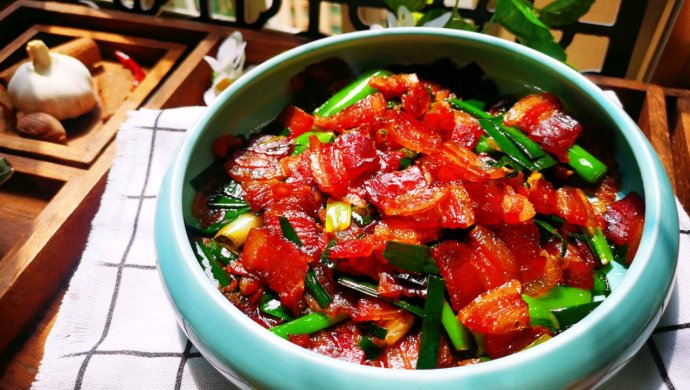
(414, 258)
(362, 215)
(236, 232)
(459, 336)
(478, 104)
(225, 202)
(620, 254)
(288, 231)
(324, 259)
(544, 162)
(221, 253)
(505, 144)
(370, 290)
(272, 306)
(306, 324)
(311, 282)
(232, 189)
(539, 314)
(563, 296)
(469, 108)
(351, 94)
(545, 226)
(208, 262)
(405, 162)
(486, 145)
(601, 284)
(338, 216)
(523, 141)
(597, 241)
(378, 331)
(371, 350)
(571, 315)
(431, 324)
(301, 142)
(585, 165)
(229, 217)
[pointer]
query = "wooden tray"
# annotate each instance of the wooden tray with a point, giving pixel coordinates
(89, 134)
(663, 115)
(46, 210)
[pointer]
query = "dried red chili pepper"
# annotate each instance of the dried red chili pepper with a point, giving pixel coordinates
(132, 65)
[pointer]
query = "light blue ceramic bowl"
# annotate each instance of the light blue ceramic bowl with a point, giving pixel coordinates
(581, 356)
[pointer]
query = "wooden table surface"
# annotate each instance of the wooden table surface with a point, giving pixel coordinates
(662, 113)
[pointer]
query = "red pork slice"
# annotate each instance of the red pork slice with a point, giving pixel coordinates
(500, 345)
(365, 112)
(625, 220)
(574, 207)
(529, 111)
(557, 133)
(416, 100)
(260, 160)
(539, 115)
(341, 342)
(406, 130)
(328, 169)
(455, 262)
(467, 164)
(493, 257)
(456, 210)
(499, 310)
(395, 85)
(279, 263)
(539, 270)
(359, 154)
(404, 192)
(466, 130)
(296, 120)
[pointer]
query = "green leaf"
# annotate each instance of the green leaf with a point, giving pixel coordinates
(459, 23)
(564, 12)
(550, 48)
(412, 5)
(519, 17)
(430, 15)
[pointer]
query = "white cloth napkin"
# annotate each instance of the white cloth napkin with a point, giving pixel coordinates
(116, 330)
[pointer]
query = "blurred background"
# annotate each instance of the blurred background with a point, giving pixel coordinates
(644, 40)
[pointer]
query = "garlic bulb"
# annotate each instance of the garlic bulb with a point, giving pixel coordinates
(52, 83)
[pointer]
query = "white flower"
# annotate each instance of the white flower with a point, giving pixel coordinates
(404, 18)
(227, 66)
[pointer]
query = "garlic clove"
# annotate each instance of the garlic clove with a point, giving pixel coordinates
(40, 125)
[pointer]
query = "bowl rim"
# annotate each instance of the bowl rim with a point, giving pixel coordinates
(656, 197)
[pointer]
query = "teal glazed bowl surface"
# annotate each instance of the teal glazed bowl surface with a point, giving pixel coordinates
(584, 355)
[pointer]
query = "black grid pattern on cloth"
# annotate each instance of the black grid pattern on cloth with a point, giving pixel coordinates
(94, 351)
(659, 362)
(187, 354)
